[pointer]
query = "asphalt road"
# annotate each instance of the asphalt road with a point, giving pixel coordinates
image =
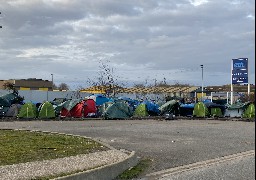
(168, 143)
(238, 169)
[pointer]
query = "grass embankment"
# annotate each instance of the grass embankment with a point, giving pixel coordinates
(25, 146)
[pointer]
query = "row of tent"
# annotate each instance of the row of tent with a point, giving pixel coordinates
(46, 110)
(240, 110)
(77, 108)
(123, 108)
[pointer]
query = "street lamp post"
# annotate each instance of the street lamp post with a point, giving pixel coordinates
(202, 67)
(52, 81)
(0, 25)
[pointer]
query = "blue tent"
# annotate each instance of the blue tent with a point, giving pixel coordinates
(132, 103)
(187, 109)
(152, 108)
(99, 99)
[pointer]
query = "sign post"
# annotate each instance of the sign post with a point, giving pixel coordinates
(202, 67)
(239, 74)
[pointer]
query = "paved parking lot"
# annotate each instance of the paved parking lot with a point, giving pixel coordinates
(168, 143)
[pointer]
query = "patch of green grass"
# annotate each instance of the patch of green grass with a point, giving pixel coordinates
(135, 171)
(25, 146)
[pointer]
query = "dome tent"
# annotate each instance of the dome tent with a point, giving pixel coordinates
(187, 109)
(235, 110)
(118, 110)
(46, 110)
(28, 110)
(171, 106)
(64, 108)
(200, 110)
(13, 111)
(249, 111)
(141, 111)
(79, 108)
(215, 110)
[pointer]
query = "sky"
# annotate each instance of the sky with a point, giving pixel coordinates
(141, 41)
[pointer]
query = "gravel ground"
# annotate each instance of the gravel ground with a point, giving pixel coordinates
(54, 167)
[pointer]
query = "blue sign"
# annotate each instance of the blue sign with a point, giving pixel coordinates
(241, 63)
(240, 71)
(242, 80)
(239, 76)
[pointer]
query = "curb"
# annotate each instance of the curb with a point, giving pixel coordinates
(110, 171)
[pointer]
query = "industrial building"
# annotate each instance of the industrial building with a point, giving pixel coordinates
(29, 84)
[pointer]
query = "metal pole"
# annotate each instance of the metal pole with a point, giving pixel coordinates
(0, 26)
(248, 78)
(202, 67)
(52, 81)
(231, 93)
(227, 98)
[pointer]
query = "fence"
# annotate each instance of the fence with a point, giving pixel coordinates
(41, 96)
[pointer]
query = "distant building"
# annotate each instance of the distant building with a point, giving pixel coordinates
(227, 88)
(29, 84)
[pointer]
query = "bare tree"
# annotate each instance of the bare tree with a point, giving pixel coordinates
(139, 85)
(248, 98)
(105, 79)
(54, 86)
(63, 86)
(10, 86)
(178, 84)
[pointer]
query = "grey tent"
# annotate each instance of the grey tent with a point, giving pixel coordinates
(13, 111)
(7, 100)
(235, 110)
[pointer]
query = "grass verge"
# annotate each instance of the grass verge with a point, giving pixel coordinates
(135, 171)
(25, 146)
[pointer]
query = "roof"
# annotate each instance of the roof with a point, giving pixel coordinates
(170, 89)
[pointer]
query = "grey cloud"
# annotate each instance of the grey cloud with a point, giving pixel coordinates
(156, 36)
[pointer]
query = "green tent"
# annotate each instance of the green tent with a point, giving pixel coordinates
(249, 111)
(141, 111)
(171, 106)
(46, 110)
(118, 110)
(28, 110)
(200, 110)
(216, 112)
(102, 108)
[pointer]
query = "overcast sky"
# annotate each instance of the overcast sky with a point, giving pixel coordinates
(143, 41)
